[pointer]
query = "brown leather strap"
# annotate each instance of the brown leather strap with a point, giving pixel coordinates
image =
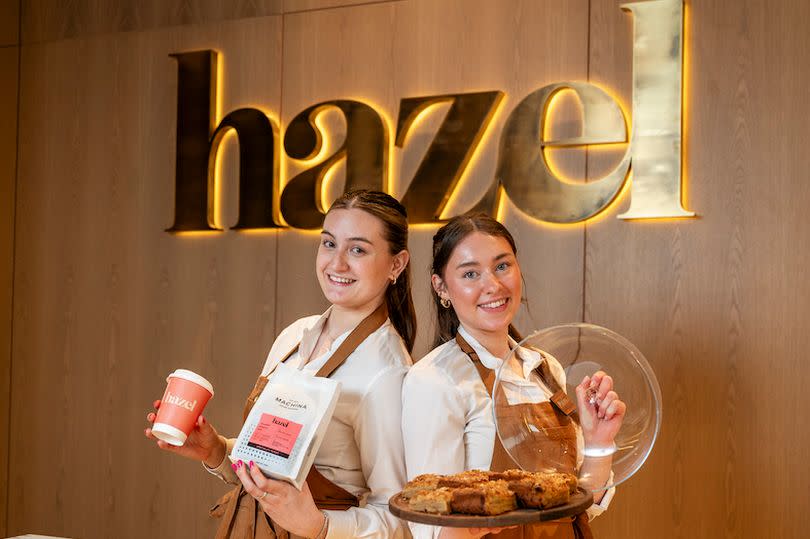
(582, 527)
(466, 348)
(561, 400)
(501, 460)
(487, 375)
(328, 495)
(366, 327)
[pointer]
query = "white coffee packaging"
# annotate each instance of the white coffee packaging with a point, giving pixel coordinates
(287, 424)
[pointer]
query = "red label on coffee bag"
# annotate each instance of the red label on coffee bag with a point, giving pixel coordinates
(275, 435)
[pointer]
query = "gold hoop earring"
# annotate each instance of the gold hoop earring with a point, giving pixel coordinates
(393, 280)
(445, 303)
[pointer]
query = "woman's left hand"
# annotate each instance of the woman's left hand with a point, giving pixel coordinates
(602, 419)
(293, 510)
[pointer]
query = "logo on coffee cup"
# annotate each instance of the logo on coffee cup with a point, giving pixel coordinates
(179, 401)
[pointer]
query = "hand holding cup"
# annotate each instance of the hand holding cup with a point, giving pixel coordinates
(178, 426)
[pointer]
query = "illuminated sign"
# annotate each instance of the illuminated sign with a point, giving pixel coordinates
(523, 174)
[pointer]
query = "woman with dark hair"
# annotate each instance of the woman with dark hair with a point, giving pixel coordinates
(447, 416)
(363, 340)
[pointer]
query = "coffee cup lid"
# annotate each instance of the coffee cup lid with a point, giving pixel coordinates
(192, 376)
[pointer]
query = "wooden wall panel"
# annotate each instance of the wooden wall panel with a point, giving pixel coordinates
(718, 303)
(8, 175)
(45, 20)
(326, 57)
(106, 303)
(292, 6)
(9, 22)
(384, 52)
(109, 303)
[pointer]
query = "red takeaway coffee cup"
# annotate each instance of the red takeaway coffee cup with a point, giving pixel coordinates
(186, 395)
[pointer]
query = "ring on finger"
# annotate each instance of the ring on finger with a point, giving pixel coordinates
(260, 498)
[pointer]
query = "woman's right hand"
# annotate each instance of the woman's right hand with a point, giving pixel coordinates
(203, 443)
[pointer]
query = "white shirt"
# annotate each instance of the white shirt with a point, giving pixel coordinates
(447, 414)
(362, 450)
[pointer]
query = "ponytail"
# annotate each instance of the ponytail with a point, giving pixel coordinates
(400, 308)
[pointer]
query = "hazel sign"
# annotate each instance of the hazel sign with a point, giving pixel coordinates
(653, 149)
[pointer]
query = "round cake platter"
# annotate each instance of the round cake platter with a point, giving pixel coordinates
(578, 503)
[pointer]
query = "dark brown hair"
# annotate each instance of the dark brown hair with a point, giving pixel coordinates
(394, 218)
(444, 243)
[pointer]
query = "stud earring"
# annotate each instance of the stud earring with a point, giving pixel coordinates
(445, 303)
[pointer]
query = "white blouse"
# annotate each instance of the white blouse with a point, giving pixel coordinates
(362, 450)
(447, 414)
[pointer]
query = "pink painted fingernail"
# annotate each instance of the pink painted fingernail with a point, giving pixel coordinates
(233, 466)
(240, 463)
(250, 465)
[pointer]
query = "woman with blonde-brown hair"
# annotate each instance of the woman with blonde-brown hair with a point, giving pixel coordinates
(447, 417)
(363, 340)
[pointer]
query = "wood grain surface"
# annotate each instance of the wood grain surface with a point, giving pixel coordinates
(110, 302)
(8, 173)
(106, 303)
(718, 303)
(9, 23)
(381, 53)
(292, 6)
(45, 20)
(578, 503)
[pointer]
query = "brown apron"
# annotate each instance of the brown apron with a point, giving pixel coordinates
(242, 516)
(556, 443)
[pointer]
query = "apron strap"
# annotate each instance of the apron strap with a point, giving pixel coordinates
(487, 375)
(326, 494)
(579, 528)
(501, 460)
(366, 327)
(559, 399)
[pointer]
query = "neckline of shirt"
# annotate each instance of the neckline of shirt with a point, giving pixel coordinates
(530, 359)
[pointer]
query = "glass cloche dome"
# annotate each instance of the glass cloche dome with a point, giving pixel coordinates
(548, 366)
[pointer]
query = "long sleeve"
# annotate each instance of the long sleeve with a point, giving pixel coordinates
(224, 470)
(433, 422)
(379, 438)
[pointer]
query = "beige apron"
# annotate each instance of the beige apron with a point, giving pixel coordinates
(557, 442)
(242, 516)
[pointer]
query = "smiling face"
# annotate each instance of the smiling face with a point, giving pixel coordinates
(482, 280)
(354, 263)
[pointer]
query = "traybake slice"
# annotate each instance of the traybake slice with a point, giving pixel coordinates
(420, 483)
(469, 478)
(433, 501)
(492, 498)
(541, 491)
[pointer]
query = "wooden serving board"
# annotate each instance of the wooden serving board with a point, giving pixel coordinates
(578, 503)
